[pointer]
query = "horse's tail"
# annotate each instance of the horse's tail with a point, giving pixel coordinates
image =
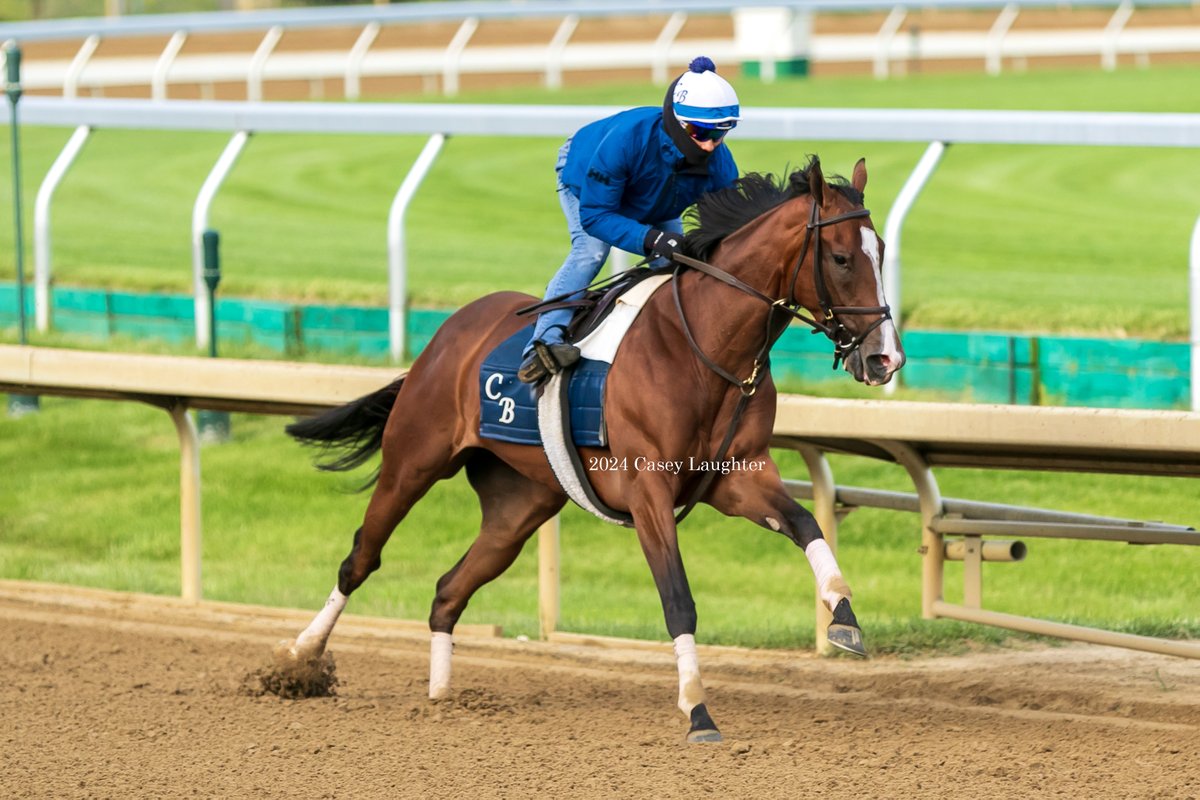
(351, 433)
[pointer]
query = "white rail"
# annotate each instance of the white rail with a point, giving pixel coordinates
(882, 48)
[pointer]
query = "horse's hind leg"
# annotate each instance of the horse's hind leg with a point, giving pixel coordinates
(403, 480)
(513, 507)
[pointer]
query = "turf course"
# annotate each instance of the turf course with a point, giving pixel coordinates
(1057, 239)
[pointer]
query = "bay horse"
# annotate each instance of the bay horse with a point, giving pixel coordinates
(690, 383)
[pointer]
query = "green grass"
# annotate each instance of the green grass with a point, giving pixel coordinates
(95, 503)
(1053, 239)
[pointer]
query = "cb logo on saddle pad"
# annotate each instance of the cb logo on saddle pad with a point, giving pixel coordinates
(508, 406)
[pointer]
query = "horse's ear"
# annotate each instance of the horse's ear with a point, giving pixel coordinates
(816, 183)
(859, 179)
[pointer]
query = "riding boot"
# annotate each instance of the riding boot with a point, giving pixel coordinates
(545, 361)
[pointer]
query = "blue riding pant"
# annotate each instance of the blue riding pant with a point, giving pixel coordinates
(582, 264)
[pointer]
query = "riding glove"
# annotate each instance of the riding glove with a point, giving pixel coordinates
(663, 244)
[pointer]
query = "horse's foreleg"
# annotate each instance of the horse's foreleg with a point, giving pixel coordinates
(760, 497)
(513, 507)
(654, 518)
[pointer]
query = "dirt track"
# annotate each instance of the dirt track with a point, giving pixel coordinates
(127, 696)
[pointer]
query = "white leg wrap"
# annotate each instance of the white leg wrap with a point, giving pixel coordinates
(317, 633)
(441, 646)
(691, 692)
(829, 578)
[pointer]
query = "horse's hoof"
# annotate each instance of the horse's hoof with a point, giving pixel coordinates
(703, 728)
(284, 652)
(288, 654)
(843, 632)
(299, 672)
(847, 638)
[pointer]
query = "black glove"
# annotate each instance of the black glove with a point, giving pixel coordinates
(663, 244)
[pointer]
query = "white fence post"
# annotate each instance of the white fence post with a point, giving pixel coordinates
(162, 67)
(883, 40)
(554, 51)
(1112, 33)
(995, 38)
(200, 223)
(354, 62)
(454, 52)
(660, 67)
(41, 225)
(893, 227)
(397, 257)
(71, 81)
(258, 63)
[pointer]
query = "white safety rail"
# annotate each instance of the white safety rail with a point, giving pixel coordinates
(918, 436)
(890, 44)
(437, 121)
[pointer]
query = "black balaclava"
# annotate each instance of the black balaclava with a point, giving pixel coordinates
(695, 158)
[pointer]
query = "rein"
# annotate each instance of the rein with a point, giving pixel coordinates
(844, 342)
(778, 317)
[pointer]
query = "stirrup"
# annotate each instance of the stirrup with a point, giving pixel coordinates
(545, 361)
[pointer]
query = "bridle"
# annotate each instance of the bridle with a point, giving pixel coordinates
(844, 341)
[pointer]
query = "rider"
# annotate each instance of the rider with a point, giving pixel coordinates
(623, 181)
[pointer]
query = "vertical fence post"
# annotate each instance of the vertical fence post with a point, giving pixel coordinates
(189, 503)
(18, 404)
(214, 425)
(397, 257)
(204, 201)
(825, 512)
(548, 576)
(892, 229)
(41, 225)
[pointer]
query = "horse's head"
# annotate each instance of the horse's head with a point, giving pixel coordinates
(837, 275)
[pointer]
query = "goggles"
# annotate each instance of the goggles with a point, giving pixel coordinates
(702, 134)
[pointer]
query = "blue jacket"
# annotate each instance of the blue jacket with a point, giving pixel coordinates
(623, 170)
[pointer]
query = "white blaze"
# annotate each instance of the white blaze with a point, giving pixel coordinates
(889, 341)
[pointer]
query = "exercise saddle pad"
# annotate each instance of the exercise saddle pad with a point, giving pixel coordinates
(509, 408)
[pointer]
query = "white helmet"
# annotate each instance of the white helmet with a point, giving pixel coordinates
(704, 98)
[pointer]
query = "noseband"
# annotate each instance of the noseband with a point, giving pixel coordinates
(830, 324)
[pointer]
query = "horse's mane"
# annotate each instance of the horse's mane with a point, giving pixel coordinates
(718, 214)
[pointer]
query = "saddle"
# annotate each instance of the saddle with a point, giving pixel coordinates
(597, 302)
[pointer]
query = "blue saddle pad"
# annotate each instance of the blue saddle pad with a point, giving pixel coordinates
(508, 408)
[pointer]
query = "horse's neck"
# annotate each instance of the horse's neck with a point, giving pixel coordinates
(731, 326)
(728, 326)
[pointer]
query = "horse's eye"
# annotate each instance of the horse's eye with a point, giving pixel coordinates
(840, 259)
